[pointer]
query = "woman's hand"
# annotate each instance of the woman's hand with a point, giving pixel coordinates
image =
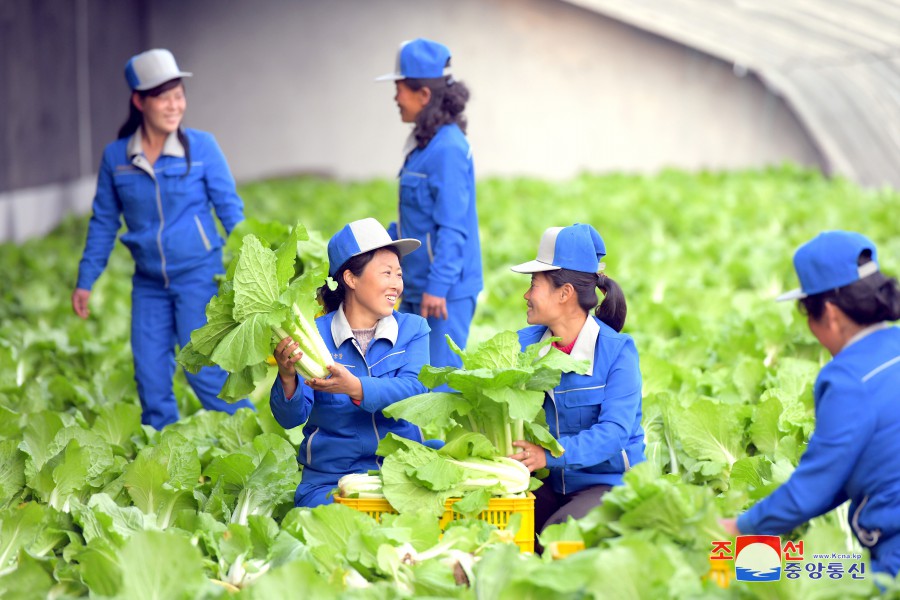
(287, 354)
(80, 299)
(730, 527)
(532, 455)
(433, 306)
(341, 381)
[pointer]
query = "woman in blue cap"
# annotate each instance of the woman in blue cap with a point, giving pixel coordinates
(165, 181)
(377, 353)
(437, 197)
(596, 417)
(854, 452)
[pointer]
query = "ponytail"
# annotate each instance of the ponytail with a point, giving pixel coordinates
(612, 308)
(447, 105)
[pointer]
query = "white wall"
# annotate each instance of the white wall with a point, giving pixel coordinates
(287, 86)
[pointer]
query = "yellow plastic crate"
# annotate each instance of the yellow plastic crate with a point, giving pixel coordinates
(563, 549)
(498, 513)
(720, 572)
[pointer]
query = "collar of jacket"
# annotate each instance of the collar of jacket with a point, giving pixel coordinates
(585, 343)
(172, 146)
(386, 328)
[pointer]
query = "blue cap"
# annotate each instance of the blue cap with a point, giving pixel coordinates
(420, 59)
(577, 247)
(362, 236)
(152, 68)
(829, 261)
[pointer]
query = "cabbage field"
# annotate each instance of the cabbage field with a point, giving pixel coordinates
(93, 504)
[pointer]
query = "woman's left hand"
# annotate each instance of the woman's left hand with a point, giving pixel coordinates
(532, 455)
(341, 381)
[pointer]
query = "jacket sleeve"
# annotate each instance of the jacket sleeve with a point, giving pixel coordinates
(220, 187)
(102, 229)
(294, 411)
(843, 424)
(451, 185)
(381, 392)
(610, 434)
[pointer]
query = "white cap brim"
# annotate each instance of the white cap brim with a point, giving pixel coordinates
(791, 295)
(534, 266)
(390, 77)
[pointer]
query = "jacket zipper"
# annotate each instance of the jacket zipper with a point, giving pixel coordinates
(369, 372)
(309, 447)
(142, 163)
(205, 239)
(562, 470)
(428, 246)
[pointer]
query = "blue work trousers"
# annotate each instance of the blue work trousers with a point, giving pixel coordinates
(456, 325)
(161, 317)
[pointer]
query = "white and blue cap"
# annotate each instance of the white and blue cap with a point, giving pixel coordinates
(829, 261)
(420, 59)
(152, 68)
(577, 247)
(363, 236)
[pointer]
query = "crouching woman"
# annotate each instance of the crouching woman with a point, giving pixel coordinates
(595, 417)
(377, 354)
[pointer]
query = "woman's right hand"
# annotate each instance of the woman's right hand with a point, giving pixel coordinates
(287, 354)
(80, 299)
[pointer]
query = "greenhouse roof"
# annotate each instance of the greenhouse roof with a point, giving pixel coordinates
(835, 63)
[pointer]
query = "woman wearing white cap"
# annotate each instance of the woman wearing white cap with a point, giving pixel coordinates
(597, 416)
(165, 181)
(437, 197)
(854, 452)
(377, 353)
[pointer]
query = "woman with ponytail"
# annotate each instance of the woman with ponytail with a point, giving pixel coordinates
(165, 182)
(854, 451)
(595, 416)
(437, 197)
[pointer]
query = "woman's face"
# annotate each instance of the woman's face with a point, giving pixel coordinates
(410, 102)
(542, 300)
(163, 113)
(378, 286)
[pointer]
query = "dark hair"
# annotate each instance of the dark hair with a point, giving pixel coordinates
(448, 101)
(331, 298)
(866, 301)
(136, 117)
(612, 309)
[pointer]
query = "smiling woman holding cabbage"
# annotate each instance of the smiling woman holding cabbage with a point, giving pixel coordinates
(595, 416)
(377, 354)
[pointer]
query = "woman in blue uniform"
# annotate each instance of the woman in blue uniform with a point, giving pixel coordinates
(596, 417)
(854, 452)
(165, 181)
(377, 353)
(437, 197)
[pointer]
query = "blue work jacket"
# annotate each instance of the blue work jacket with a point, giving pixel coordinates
(167, 210)
(854, 451)
(437, 207)
(596, 417)
(340, 437)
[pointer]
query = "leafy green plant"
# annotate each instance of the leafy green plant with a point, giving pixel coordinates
(259, 305)
(498, 392)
